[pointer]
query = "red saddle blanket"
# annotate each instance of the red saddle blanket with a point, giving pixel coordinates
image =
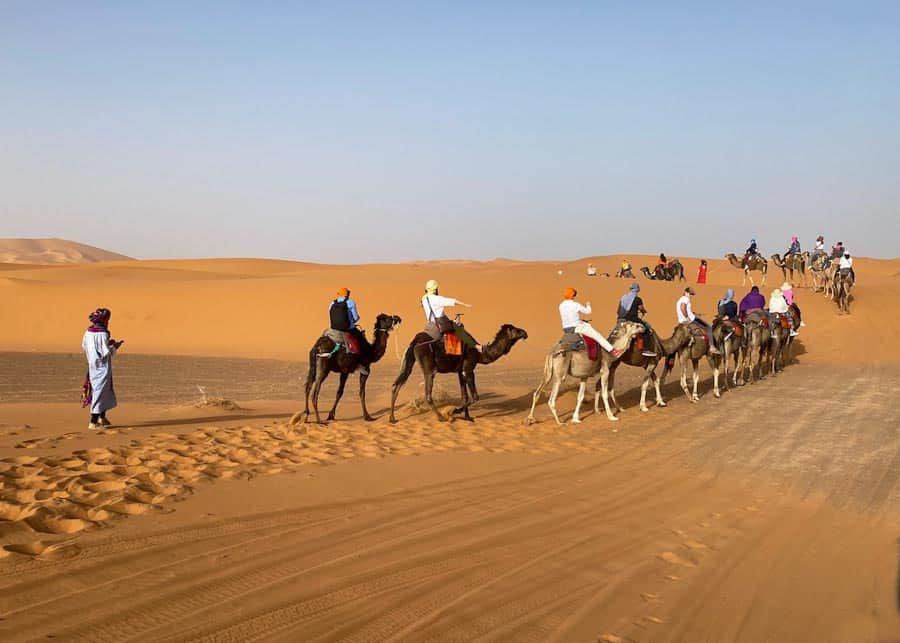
(452, 344)
(352, 345)
(592, 347)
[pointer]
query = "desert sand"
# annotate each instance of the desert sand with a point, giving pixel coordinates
(769, 514)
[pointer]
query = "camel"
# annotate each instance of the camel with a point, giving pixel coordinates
(729, 335)
(780, 340)
(843, 283)
(323, 360)
(665, 349)
(561, 364)
(756, 262)
(692, 352)
(432, 359)
(829, 274)
(627, 273)
(819, 269)
(792, 263)
(756, 344)
(665, 273)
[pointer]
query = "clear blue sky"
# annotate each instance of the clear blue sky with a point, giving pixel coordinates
(346, 132)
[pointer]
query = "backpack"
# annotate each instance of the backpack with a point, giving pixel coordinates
(340, 315)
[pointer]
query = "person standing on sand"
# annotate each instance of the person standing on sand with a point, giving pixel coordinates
(569, 313)
(98, 349)
(701, 272)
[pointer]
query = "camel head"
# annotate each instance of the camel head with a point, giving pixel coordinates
(503, 341)
(386, 323)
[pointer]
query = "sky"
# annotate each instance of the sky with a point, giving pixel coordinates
(347, 132)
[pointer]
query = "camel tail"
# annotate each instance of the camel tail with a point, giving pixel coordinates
(313, 359)
(406, 367)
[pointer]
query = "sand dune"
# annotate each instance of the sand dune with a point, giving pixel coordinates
(52, 251)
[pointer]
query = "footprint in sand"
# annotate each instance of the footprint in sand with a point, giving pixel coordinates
(46, 522)
(675, 559)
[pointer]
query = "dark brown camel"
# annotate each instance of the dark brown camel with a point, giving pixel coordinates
(756, 262)
(432, 359)
(665, 273)
(665, 350)
(791, 264)
(322, 361)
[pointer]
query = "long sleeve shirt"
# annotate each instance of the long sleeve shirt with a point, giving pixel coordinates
(777, 304)
(434, 305)
(752, 301)
(569, 310)
(846, 262)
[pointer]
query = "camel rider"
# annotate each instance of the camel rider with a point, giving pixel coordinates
(751, 251)
(686, 316)
(631, 308)
(728, 308)
(778, 306)
(344, 318)
(438, 323)
(819, 249)
(569, 313)
(837, 250)
(625, 268)
(591, 270)
(753, 300)
(794, 249)
(847, 264)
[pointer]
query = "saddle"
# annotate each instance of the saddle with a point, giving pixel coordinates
(732, 326)
(698, 331)
(343, 340)
(784, 319)
(575, 343)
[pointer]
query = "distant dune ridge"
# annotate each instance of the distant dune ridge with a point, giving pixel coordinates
(53, 251)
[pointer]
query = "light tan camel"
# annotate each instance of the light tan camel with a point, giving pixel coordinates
(780, 340)
(756, 262)
(818, 269)
(562, 363)
(692, 352)
(792, 263)
(665, 350)
(829, 274)
(729, 335)
(843, 283)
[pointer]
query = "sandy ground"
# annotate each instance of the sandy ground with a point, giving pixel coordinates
(769, 514)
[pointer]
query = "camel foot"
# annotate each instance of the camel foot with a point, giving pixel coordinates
(458, 410)
(575, 421)
(645, 409)
(368, 418)
(468, 418)
(330, 417)
(612, 418)
(661, 403)
(392, 420)
(717, 394)
(529, 421)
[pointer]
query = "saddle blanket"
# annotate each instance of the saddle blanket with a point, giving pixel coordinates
(343, 340)
(453, 344)
(573, 342)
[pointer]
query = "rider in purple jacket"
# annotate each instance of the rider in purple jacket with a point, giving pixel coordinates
(751, 301)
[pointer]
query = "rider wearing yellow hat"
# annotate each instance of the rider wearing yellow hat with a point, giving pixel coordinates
(437, 321)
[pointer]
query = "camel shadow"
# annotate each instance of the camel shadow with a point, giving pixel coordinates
(209, 419)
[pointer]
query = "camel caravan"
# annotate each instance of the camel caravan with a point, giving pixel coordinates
(744, 343)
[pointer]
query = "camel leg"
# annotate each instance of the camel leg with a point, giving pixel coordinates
(612, 391)
(575, 415)
(464, 393)
(362, 397)
(340, 394)
(320, 377)
(715, 370)
(684, 386)
(308, 387)
(695, 376)
(604, 391)
(551, 402)
(545, 380)
(429, 387)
